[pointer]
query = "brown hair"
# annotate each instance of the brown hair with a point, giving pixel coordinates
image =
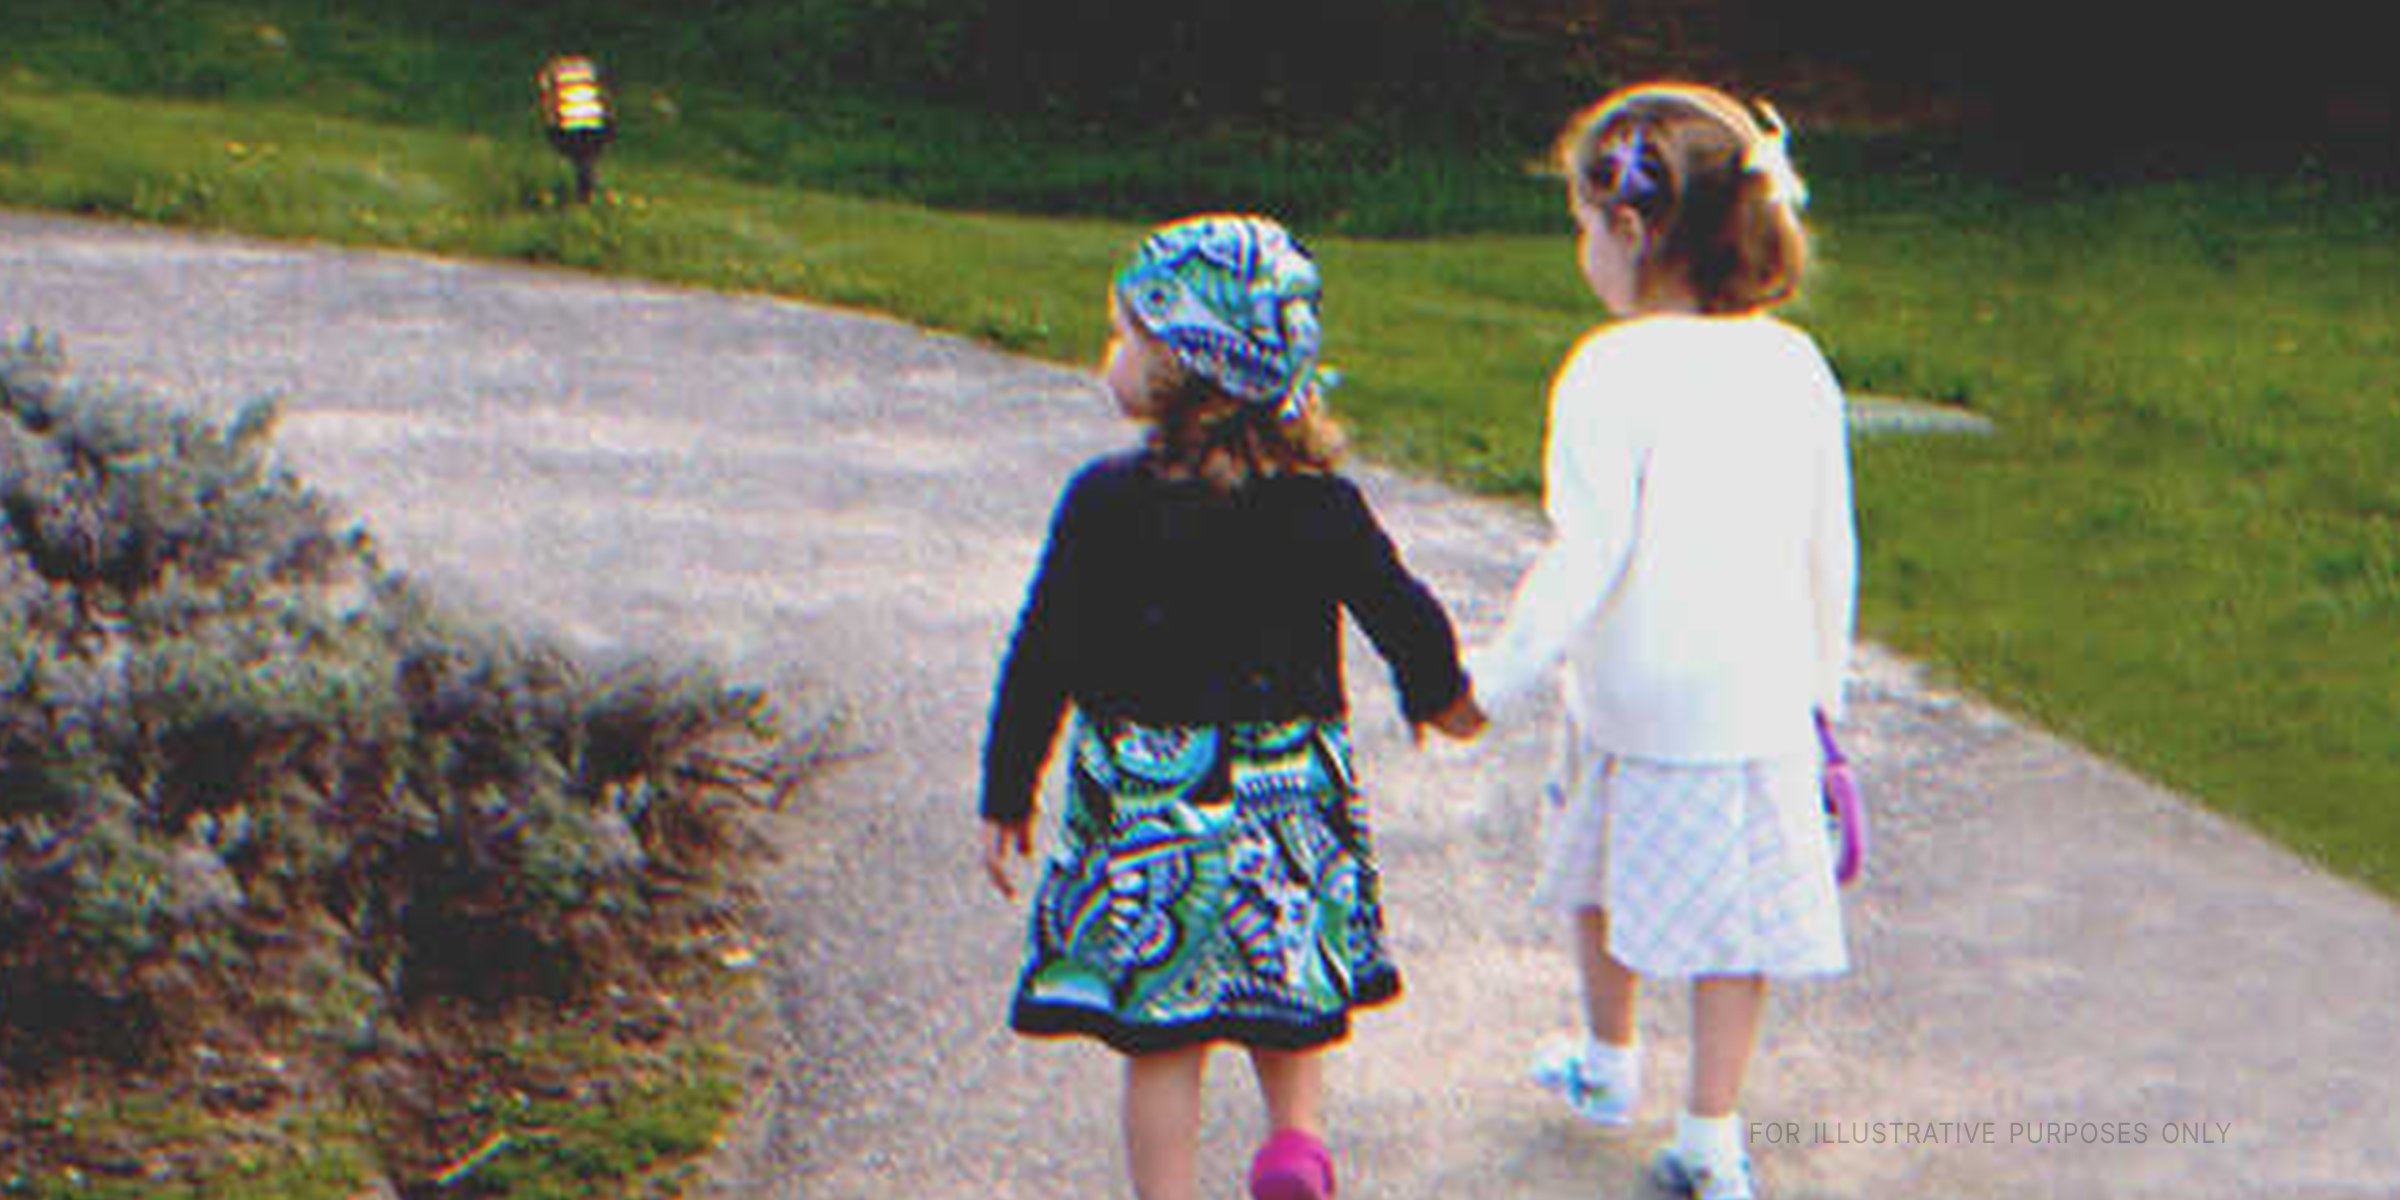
(1719, 219)
(1201, 432)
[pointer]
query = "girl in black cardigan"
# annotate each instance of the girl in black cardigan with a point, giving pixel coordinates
(1212, 878)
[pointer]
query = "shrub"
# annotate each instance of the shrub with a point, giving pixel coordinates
(246, 771)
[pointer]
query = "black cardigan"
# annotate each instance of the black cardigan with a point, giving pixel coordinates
(1164, 602)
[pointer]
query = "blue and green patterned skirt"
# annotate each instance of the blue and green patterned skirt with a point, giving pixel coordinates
(1206, 884)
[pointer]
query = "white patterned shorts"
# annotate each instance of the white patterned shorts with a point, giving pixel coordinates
(1703, 868)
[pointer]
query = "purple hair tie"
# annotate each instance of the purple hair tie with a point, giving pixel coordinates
(1636, 181)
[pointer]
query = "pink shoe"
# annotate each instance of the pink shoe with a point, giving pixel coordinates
(1292, 1165)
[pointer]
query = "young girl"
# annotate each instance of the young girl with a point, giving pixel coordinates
(1212, 880)
(1698, 587)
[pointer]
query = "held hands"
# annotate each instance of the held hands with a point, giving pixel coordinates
(1000, 842)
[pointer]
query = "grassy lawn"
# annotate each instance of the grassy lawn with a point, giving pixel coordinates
(2183, 548)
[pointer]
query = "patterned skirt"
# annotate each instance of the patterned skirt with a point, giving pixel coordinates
(1206, 884)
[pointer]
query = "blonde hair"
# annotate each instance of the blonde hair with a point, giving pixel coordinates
(1202, 432)
(1711, 183)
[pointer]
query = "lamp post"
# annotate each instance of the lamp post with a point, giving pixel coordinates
(575, 112)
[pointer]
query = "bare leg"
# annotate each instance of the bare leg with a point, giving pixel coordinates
(1293, 1085)
(1610, 988)
(1726, 1010)
(1162, 1122)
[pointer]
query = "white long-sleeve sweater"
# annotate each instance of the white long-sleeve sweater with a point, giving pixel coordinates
(1700, 583)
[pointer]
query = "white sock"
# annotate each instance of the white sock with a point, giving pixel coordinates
(1618, 1066)
(1709, 1139)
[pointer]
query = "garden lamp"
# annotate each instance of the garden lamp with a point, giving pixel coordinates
(575, 111)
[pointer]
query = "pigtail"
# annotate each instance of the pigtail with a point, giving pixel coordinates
(1767, 247)
(1770, 243)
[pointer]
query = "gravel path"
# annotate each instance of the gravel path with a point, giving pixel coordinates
(2070, 982)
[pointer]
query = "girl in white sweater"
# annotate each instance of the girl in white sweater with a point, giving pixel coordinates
(1698, 591)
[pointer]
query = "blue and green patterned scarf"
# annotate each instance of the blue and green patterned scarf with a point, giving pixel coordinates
(1235, 297)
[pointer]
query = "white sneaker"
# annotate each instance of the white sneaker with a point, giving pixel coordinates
(1702, 1180)
(1567, 1072)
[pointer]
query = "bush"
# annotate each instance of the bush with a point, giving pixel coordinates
(248, 773)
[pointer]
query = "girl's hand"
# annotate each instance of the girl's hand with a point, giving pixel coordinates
(999, 842)
(1463, 719)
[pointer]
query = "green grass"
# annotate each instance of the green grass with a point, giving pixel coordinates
(633, 1136)
(2183, 548)
(704, 96)
(154, 1140)
(561, 1112)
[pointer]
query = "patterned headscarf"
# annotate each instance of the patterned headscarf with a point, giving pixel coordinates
(1235, 297)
